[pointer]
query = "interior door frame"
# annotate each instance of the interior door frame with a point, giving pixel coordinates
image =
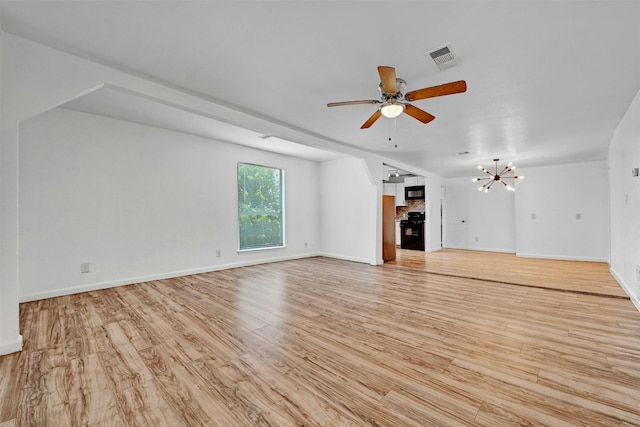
(454, 218)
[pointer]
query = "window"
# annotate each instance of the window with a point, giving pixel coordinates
(260, 206)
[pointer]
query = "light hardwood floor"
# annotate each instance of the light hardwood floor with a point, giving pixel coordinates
(579, 276)
(325, 342)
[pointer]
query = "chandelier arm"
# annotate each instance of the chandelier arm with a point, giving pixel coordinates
(508, 172)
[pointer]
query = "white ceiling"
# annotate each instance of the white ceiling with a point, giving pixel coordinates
(548, 81)
(117, 103)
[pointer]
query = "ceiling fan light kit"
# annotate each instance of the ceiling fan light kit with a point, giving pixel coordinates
(392, 109)
(506, 173)
(394, 101)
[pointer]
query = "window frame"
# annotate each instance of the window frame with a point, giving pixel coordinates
(282, 208)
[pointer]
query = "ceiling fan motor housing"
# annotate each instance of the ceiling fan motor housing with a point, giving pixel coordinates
(400, 85)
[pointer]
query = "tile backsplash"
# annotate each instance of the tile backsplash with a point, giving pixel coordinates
(412, 205)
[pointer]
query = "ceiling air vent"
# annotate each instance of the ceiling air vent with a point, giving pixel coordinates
(444, 57)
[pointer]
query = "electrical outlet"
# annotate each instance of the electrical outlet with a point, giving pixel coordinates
(85, 267)
(218, 253)
(533, 216)
(305, 245)
(477, 238)
(578, 216)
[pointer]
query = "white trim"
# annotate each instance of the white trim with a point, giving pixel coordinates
(133, 280)
(504, 251)
(266, 248)
(635, 299)
(11, 346)
(346, 258)
(561, 257)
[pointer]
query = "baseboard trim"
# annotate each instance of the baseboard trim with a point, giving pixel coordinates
(561, 258)
(502, 251)
(168, 275)
(347, 258)
(635, 299)
(11, 346)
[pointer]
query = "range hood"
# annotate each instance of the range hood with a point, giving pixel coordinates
(396, 176)
(396, 179)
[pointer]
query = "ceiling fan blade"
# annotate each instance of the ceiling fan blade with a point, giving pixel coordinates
(433, 91)
(418, 114)
(375, 116)
(339, 104)
(388, 79)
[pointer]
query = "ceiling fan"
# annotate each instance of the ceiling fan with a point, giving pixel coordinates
(395, 102)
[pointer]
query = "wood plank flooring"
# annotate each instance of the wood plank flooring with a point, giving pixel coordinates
(323, 342)
(579, 276)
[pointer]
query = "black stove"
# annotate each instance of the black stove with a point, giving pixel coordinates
(412, 231)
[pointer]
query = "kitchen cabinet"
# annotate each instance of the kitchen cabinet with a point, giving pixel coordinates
(388, 189)
(414, 180)
(400, 195)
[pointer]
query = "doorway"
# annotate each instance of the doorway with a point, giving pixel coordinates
(454, 219)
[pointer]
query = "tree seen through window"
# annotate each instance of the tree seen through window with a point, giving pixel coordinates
(260, 206)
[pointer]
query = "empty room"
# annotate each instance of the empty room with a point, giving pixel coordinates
(319, 213)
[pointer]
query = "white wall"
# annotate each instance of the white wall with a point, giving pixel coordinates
(489, 218)
(556, 194)
(502, 220)
(624, 154)
(139, 203)
(36, 78)
(10, 338)
(348, 210)
(433, 187)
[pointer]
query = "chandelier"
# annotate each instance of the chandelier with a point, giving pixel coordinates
(506, 173)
